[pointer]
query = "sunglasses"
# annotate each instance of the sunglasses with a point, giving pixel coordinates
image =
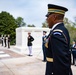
(49, 14)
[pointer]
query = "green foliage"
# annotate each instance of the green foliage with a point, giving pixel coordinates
(7, 25)
(20, 22)
(30, 25)
(71, 26)
(44, 25)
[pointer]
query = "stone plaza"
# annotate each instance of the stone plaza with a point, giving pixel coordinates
(13, 63)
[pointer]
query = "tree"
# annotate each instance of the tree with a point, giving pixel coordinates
(20, 22)
(30, 25)
(44, 25)
(71, 26)
(8, 25)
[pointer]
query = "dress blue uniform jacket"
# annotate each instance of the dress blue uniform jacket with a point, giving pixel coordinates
(43, 47)
(58, 54)
(30, 40)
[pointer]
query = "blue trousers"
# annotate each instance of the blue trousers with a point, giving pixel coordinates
(74, 55)
(44, 52)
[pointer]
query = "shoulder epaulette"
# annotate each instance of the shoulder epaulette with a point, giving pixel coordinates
(61, 32)
(57, 30)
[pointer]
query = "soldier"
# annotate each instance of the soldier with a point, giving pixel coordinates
(2, 39)
(74, 52)
(5, 40)
(29, 43)
(8, 38)
(43, 45)
(58, 55)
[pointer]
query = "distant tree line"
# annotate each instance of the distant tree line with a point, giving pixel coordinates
(71, 26)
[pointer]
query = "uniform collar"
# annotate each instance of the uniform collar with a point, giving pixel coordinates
(55, 25)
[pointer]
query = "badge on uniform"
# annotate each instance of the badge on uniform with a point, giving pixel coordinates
(46, 44)
(57, 33)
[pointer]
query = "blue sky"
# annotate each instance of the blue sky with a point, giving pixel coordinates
(34, 11)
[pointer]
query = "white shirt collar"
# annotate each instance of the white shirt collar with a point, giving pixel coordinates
(55, 25)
